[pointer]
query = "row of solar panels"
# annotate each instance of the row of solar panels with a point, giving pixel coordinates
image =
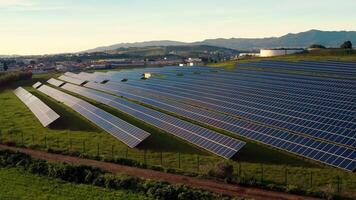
(204, 138)
(317, 67)
(170, 91)
(125, 132)
(42, 112)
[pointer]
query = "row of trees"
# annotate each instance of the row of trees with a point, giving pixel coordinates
(345, 45)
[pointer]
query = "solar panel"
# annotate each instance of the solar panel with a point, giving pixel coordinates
(55, 82)
(36, 85)
(320, 106)
(125, 132)
(71, 80)
(204, 138)
(42, 112)
(334, 68)
(256, 132)
(337, 110)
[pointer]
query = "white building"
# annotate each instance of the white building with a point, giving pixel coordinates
(279, 52)
(147, 75)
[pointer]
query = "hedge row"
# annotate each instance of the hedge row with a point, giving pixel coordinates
(95, 176)
(9, 77)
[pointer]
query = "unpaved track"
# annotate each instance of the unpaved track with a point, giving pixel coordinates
(214, 186)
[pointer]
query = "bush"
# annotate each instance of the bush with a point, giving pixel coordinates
(97, 177)
(346, 45)
(9, 77)
(222, 170)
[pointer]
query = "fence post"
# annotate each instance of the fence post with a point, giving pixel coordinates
(198, 163)
(98, 150)
(161, 158)
(338, 184)
(112, 151)
(22, 141)
(286, 176)
(83, 146)
(240, 169)
(262, 171)
(179, 160)
(144, 156)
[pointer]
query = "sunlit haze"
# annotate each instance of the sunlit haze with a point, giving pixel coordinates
(46, 27)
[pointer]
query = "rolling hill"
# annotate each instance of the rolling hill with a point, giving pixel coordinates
(303, 39)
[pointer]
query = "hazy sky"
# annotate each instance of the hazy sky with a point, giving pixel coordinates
(48, 26)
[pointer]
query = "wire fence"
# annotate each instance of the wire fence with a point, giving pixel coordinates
(294, 178)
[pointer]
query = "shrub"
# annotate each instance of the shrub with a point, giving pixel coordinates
(9, 77)
(97, 177)
(222, 170)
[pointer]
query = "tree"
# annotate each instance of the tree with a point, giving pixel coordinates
(317, 46)
(6, 67)
(346, 45)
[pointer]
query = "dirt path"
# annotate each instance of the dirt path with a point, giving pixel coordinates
(214, 186)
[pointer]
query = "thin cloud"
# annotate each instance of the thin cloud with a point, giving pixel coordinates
(16, 3)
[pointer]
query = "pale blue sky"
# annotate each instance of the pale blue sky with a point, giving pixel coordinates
(39, 26)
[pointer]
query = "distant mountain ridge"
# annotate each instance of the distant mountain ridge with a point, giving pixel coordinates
(303, 40)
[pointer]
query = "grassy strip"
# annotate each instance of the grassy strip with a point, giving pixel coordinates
(21, 184)
(94, 176)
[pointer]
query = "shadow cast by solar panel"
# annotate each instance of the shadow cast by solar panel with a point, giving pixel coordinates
(160, 142)
(68, 119)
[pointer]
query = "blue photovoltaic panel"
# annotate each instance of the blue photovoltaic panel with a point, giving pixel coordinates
(204, 138)
(125, 132)
(310, 112)
(43, 113)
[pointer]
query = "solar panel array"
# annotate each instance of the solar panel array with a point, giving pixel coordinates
(55, 82)
(209, 140)
(313, 117)
(331, 67)
(125, 132)
(43, 113)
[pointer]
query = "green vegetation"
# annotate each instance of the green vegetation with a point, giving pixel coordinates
(94, 176)
(314, 55)
(346, 45)
(317, 46)
(20, 184)
(7, 78)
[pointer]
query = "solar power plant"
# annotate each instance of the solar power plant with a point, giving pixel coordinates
(36, 85)
(266, 135)
(55, 82)
(317, 108)
(71, 80)
(209, 140)
(43, 113)
(338, 68)
(125, 132)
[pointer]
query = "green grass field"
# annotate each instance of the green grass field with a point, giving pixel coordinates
(74, 133)
(326, 54)
(18, 184)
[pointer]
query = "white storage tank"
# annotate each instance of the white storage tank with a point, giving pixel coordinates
(279, 52)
